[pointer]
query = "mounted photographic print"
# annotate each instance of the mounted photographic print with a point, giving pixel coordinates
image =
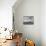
(28, 20)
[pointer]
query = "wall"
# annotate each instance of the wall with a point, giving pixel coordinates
(6, 13)
(29, 8)
(43, 22)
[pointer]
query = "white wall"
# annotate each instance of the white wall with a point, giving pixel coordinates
(6, 13)
(43, 22)
(29, 8)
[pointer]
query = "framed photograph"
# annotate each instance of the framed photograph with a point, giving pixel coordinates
(28, 20)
